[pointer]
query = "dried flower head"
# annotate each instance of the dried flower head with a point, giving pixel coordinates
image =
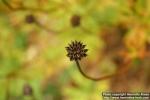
(30, 19)
(75, 20)
(27, 90)
(147, 44)
(76, 50)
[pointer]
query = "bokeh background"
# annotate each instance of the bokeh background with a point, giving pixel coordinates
(34, 34)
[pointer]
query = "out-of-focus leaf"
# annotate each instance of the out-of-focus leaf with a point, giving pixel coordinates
(3, 89)
(141, 5)
(16, 87)
(107, 16)
(53, 90)
(21, 41)
(36, 86)
(8, 66)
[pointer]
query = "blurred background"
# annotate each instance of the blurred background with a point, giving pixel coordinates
(34, 34)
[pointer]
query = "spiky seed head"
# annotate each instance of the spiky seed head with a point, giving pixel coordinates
(76, 50)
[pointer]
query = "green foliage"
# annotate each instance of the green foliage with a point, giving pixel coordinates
(34, 53)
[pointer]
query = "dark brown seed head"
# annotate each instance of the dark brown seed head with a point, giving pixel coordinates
(76, 50)
(29, 19)
(75, 20)
(27, 90)
(118, 60)
(147, 46)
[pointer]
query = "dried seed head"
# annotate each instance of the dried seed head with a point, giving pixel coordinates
(75, 20)
(147, 44)
(27, 90)
(76, 50)
(30, 19)
(118, 60)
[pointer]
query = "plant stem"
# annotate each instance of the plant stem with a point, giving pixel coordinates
(101, 77)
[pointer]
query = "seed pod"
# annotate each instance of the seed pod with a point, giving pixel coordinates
(75, 20)
(29, 19)
(27, 90)
(118, 60)
(147, 44)
(76, 50)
